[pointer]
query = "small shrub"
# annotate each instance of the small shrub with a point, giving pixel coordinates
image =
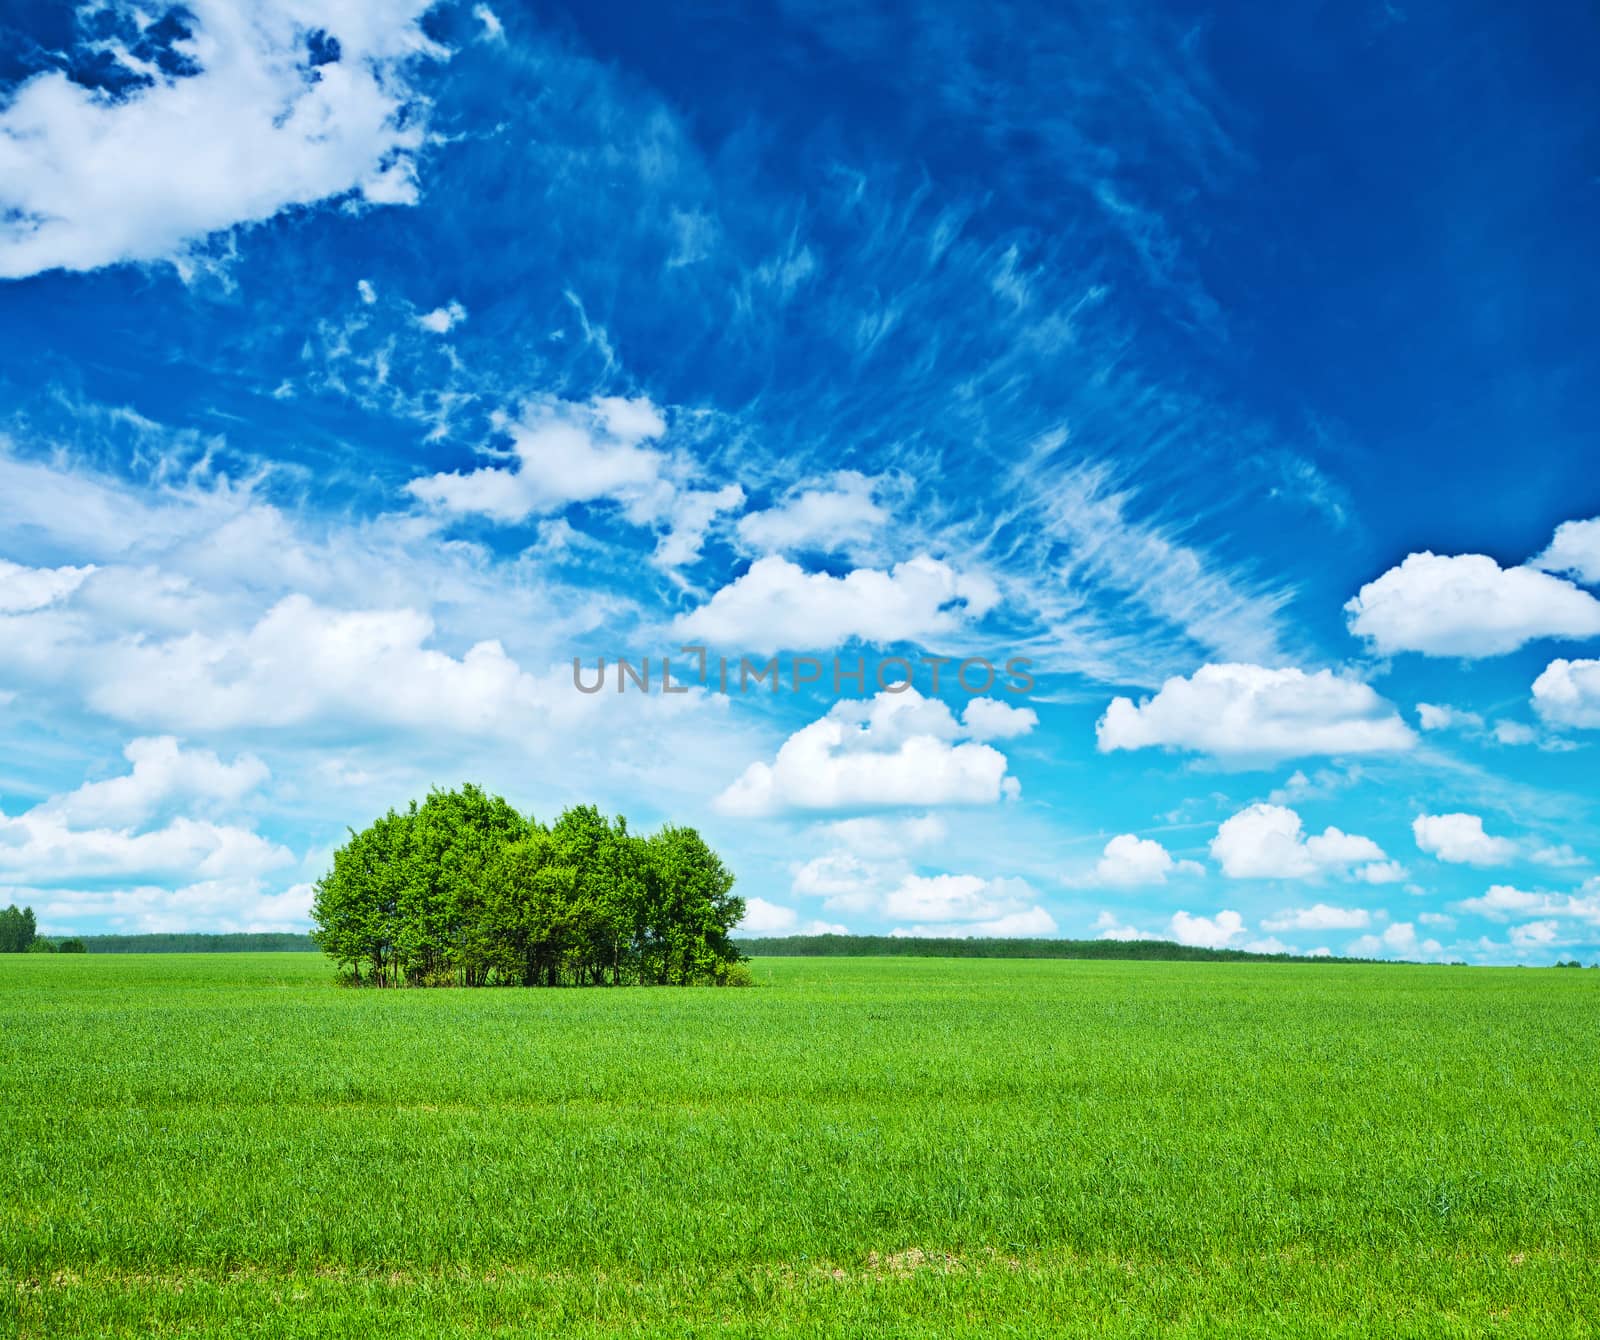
(42, 946)
(72, 946)
(738, 974)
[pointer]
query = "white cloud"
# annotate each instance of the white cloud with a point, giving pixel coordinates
(1460, 840)
(1250, 713)
(303, 663)
(1225, 930)
(891, 750)
(1318, 917)
(1439, 718)
(1435, 717)
(885, 837)
(1538, 935)
(1110, 928)
(1568, 694)
(1131, 862)
(88, 179)
(493, 29)
(1514, 733)
(368, 294)
(1468, 605)
(566, 453)
(230, 904)
(587, 453)
(1561, 856)
(777, 605)
(764, 918)
(1034, 922)
(1321, 784)
(441, 320)
(1380, 872)
(23, 588)
(1438, 921)
(849, 880)
(1503, 902)
(1574, 551)
(950, 898)
(844, 515)
(39, 847)
(163, 771)
(1267, 842)
(1397, 941)
(689, 517)
(1216, 932)
(991, 719)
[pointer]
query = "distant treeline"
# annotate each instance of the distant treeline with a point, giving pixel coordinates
(906, 946)
(19, 934)
(193, 942)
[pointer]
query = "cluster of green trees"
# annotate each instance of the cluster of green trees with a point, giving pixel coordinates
(18, 930)
(463, 890)
(19, 934)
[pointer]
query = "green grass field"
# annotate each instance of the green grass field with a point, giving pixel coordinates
(229, 1145)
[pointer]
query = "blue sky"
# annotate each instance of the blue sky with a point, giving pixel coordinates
(1237, 370)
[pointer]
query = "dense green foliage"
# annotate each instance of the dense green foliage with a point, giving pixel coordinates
(908, 946)
(18, 930)
(190, 942)
(230, 1146)
(462, 890)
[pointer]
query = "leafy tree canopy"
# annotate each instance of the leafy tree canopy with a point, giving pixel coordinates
(463, 890)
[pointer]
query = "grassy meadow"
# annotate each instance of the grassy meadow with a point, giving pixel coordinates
(231, 1145)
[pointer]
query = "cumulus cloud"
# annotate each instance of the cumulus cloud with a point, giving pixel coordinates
(1209, 932)
(1460, 840)
(1467, 605)
(1538, 935)
(23, 588)
(262, 106)
(1253, 714)
(689, 516)
(601, 451)
(302, 663)
(1574, 552)
(566, 453)
(764, 918)
(1225, 930)
(1433, 716)
(1035, 921)
(991, 719)
(951, 898)
(1567, 693)
(1267, 842)
(777, 605)
(841, 515)
(877, 836)
(1398, 940)
(892, 750)
(442, 320)
(1504, 902)
(1318, 917)
(163, 771)
(1130, 862)
(230, 904)
(40, 847)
